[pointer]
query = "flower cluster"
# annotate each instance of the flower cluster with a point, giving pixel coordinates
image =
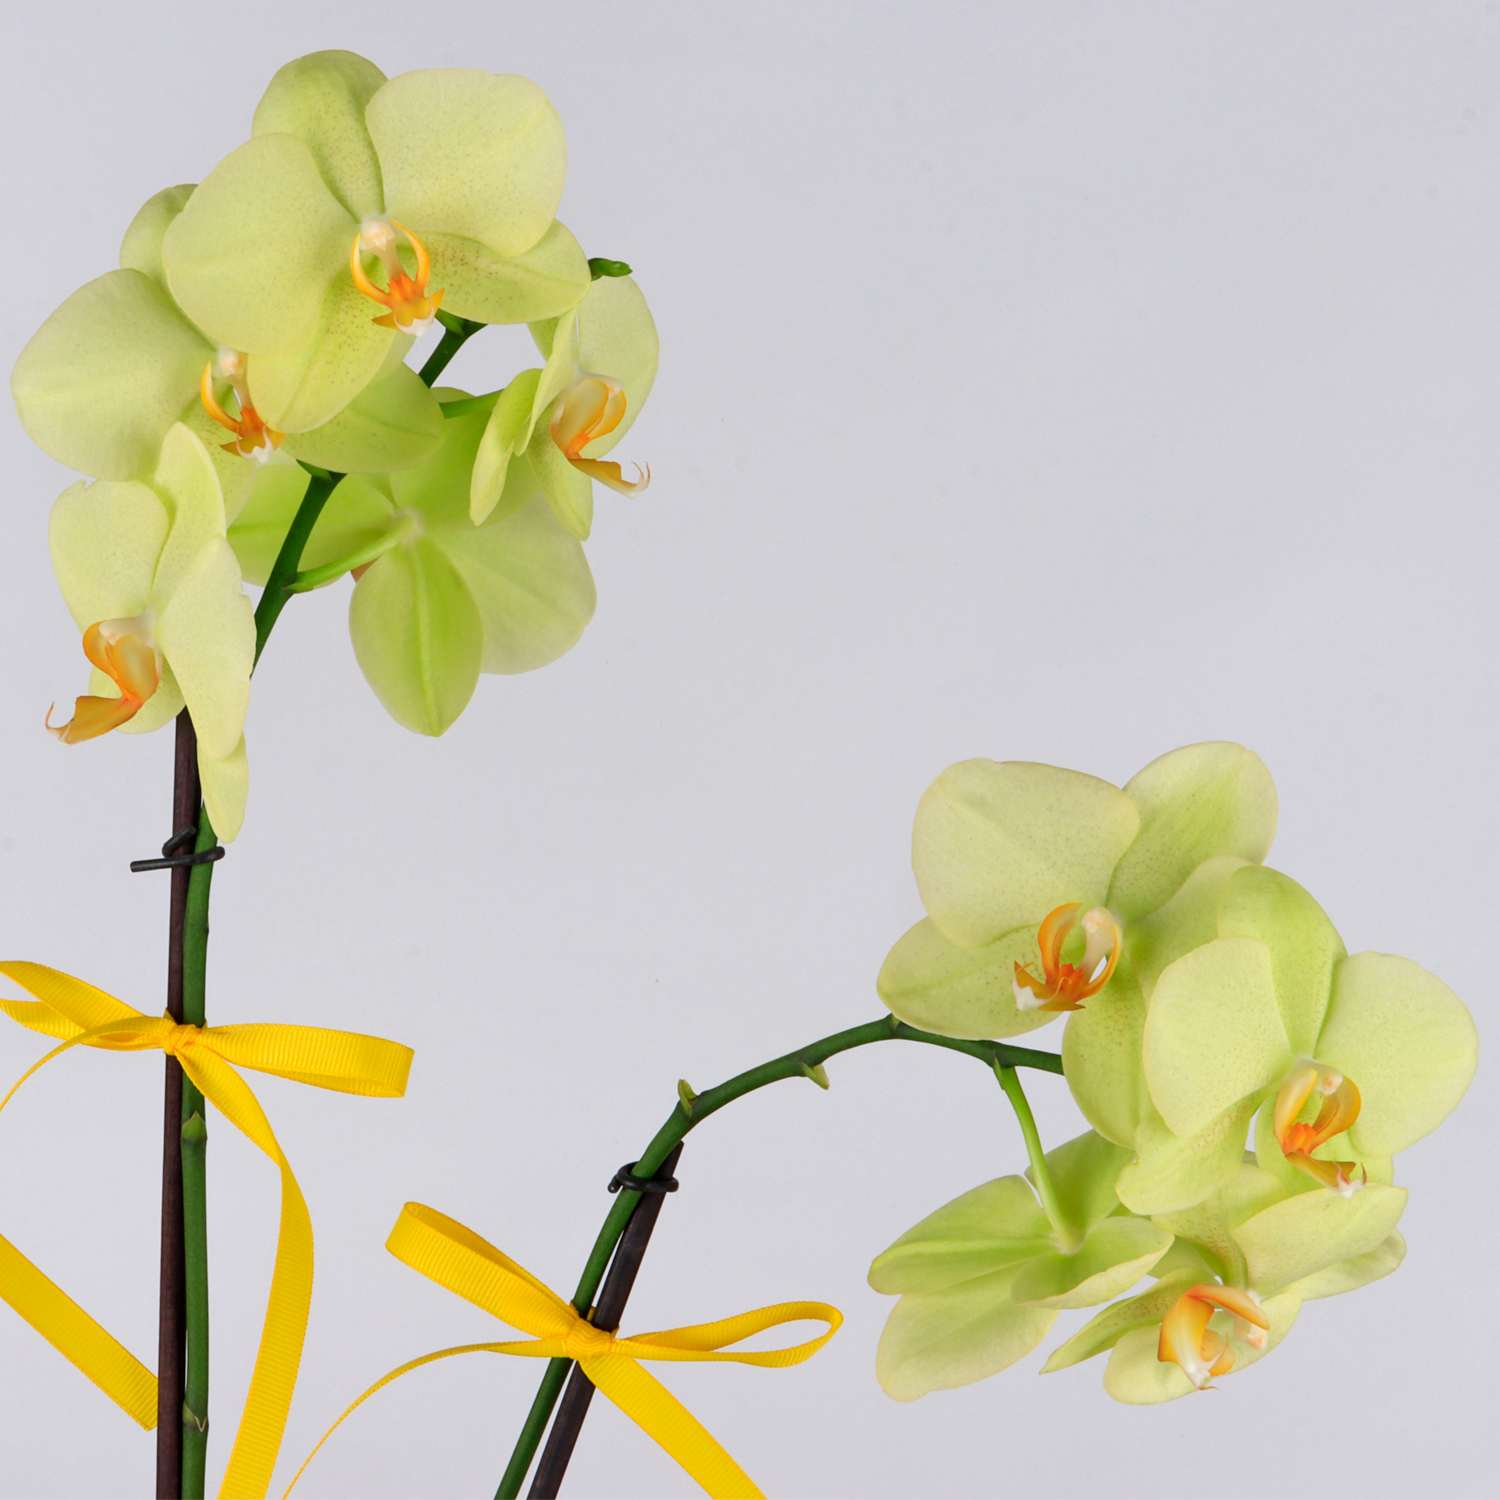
(274, 304)
(1212, 1006)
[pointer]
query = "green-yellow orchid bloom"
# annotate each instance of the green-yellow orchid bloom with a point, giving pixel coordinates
(119, 363)
(1349, 1059)
(601, 364)
(441, 184)
(1001, 850)
(982, 1279)
(1230, 1288)
(439, 599)
(150, 579)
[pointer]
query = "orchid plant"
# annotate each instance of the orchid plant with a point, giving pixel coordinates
(238, 398)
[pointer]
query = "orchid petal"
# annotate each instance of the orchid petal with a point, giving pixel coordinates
(417, 636)
(1213, 1032)
(936, 1341)
(1202, 800)
(992, 1226)
(226, 784)
(140, 250)
(469, 153)
(505, 436)
(1406, 1040)
(546, 281)
(932, 983)
(1187, 921)
(305, 387)
(321, 100)
(1304, 947)
(207, 631)
(529, 579)
(1307, 1233)
(1113, 1257)
(569, 492)
(1101, 1052)
(1349, 1275)
(1174, 1172)
(188, 484)
(391, 424)
(997, 846)
(617, 338)
(1083, 1172)
(105, 539)
(252, 257)
(107, 374)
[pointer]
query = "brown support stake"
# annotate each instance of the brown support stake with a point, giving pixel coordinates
(171, 1357)
(607, 1314)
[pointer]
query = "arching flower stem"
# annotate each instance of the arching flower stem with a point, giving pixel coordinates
(691, 1110)
(1068, 1240)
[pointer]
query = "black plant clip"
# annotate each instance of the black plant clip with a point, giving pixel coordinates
(625, 1178)
(173, 855)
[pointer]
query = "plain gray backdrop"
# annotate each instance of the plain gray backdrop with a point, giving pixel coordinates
(1062, 382)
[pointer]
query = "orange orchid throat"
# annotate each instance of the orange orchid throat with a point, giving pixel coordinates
(1203, 1352)
(122, 650)
(412, 307)
(1298, 1139)
(252, 438)
(592, 407)
(1065, 986)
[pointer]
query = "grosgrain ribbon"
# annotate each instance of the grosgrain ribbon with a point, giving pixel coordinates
(460, 1261)
(346, 1061)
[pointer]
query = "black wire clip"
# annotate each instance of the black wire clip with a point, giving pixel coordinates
(172, 855)
(624, 1178)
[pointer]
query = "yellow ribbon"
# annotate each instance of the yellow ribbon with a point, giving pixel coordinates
(346, 1061)
(458, 1260)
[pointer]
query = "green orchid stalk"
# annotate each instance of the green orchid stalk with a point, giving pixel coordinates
(443, 183)
(149, 577)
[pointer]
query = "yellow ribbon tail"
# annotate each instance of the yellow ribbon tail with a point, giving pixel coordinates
(77, 1337)
(385, 1380)
(660, 1415)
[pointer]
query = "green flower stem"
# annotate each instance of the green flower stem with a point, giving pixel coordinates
(194, 1177)
(316, 577)
(456, 333)
(686, 1115)
(281, 583)
(1068, 1241)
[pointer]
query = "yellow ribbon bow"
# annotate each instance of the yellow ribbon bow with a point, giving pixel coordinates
(353, 1064)
(457, 1259)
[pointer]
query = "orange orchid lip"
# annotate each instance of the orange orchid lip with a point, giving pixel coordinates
(252, 438)
(1065, 986)
(411, 307)
(1200, 1351)
(1298, 1139)
(131, 663)
(592, 407)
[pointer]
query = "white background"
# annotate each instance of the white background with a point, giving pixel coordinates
(1063, 382)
